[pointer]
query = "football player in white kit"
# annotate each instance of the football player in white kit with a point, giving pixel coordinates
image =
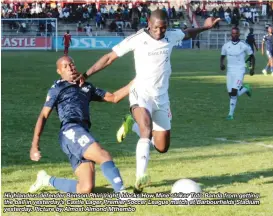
(149, 100)
(236, 51)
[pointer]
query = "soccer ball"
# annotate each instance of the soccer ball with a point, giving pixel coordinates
(186, 190)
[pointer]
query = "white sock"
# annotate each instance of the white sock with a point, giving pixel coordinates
(232, 104)
(142, 156)
(242, 91)
(135, 128)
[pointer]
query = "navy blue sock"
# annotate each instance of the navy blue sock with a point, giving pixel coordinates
(65, 185)
(111, 172)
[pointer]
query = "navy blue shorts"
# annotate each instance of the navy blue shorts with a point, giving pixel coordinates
(269, 54)
(74, 140)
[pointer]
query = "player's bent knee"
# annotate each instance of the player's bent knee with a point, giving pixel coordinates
(97, 154)
(162, 150)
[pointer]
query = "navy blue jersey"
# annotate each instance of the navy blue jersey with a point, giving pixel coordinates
(268, 40)
(72, 101)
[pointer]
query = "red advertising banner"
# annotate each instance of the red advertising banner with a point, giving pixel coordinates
(30, 43)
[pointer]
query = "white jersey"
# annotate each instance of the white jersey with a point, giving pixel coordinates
(152, 59)
(236, 53)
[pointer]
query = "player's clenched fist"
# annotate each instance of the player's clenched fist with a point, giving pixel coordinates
(35, 154)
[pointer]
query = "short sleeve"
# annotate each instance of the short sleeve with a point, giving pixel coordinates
(96, 94)
(51, 97)
(125, 46)
(224, 50)
(177, 34)
(248, 50)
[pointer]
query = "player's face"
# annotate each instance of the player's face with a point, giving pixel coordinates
(269, 30)
(235, 34)
(67, 70)
(157, 28)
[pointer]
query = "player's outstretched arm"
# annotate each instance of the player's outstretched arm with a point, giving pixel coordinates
(102, 63)
(41, 121)
(118, 95)
(193, 32)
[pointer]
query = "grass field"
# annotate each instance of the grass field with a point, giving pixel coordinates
(222, 156)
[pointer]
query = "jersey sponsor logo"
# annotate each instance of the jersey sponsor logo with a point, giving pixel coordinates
(160, 52)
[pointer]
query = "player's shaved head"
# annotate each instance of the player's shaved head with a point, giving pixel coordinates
(158, 24)
(63, 58)
(159, 14)
(66, 68)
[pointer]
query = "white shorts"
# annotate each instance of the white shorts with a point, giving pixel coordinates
(234, 81)
(158, 106)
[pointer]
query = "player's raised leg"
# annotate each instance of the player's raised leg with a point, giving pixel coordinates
(144, 121)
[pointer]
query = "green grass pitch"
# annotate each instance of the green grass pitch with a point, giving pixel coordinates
(222, 156)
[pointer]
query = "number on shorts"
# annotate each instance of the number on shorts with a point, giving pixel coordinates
(83, 140)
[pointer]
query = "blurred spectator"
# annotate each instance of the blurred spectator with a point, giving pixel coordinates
(174, 13)
(198, 11)
(119, 31)
(227, 18)
(264, 9)
(256, 17)
(143, 21)
(221, 13)
(111, 12)
(228, 10)
(98, 20)
(66, 13)
(85, 14)
(180, 13)
(235, 20)
(79, 27)
(23, 27)
(104, 11)
(214, 12)
(88, 30)
(113, 26)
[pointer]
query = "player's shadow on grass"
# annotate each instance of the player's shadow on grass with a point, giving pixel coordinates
(219, 181)
(209, 156)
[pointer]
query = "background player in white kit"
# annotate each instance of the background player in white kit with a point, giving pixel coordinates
(236, 51)
(149, 100)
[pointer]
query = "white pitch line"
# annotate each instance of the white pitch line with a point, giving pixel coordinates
(264, 145)
(243, 142)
